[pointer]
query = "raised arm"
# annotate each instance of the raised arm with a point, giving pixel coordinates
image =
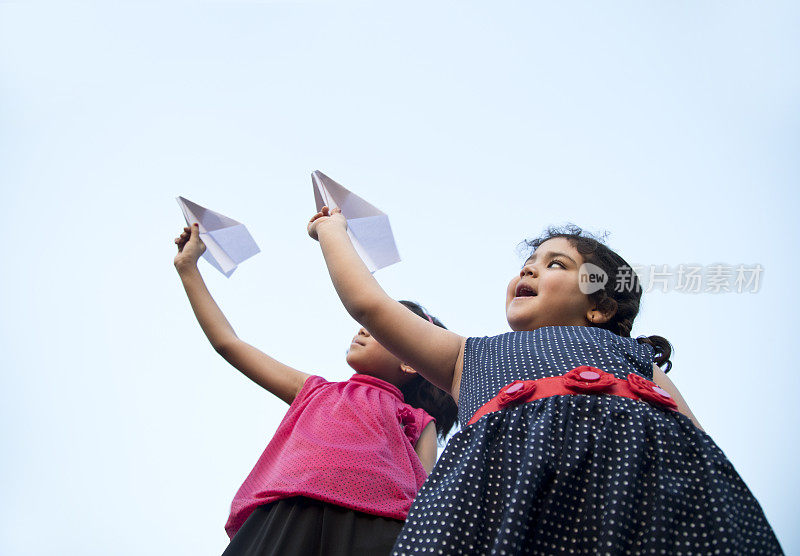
(432, 351)
(282, 380)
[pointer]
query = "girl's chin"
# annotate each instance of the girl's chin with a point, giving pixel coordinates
(522, 323)
(518, 320)
(517, 324)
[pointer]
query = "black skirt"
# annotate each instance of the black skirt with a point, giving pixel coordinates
(308, 527)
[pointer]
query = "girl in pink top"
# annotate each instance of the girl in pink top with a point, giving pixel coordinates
(348, 458)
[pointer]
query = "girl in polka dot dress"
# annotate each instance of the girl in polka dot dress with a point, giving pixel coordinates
(348, 458)
(573, 440)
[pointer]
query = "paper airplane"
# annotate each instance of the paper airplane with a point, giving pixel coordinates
(367, 226)
(227, 241)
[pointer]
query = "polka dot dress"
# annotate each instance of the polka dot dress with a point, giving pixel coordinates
(578, 474)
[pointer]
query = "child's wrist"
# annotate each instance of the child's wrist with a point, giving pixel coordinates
(330, 225)
(185, 266)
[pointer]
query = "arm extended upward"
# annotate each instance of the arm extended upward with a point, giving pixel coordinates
(432, 351)
(282, 380)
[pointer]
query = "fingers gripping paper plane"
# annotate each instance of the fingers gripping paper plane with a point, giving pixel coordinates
(227, 241)
(367, 226)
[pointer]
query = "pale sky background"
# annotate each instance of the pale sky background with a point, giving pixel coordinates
(671, 125)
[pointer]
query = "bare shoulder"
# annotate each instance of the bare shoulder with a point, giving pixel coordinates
(661, 378)
(458, 371)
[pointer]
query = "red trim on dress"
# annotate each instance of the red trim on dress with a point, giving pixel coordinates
(580, 380)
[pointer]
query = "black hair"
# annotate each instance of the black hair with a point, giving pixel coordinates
(422, 394)
(622, 292)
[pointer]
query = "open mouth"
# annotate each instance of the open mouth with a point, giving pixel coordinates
(524, 290)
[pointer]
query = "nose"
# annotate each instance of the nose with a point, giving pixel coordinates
(363, 332)
(528, 270)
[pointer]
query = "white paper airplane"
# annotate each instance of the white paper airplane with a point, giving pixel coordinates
(367, 226)
(227, 241)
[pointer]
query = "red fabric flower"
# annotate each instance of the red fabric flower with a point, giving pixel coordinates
(409, 422)
(650, 391)
(515, 392)
(588, 379)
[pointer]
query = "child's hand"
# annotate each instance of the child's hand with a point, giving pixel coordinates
(190, 248)
(334, 216)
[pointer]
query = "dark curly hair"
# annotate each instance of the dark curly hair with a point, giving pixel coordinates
(422, 394)
(624, 301)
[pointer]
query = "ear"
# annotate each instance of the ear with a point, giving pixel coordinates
(603, 312)
(597, 315)
(407, 369)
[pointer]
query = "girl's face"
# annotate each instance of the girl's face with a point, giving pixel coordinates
(546, 292)
(367, 356)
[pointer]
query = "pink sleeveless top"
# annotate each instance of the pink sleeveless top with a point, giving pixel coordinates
(347, 443)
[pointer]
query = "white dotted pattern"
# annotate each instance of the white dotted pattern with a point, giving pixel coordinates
(578, 474)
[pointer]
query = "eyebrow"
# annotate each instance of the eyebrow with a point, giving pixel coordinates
(550, 255)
